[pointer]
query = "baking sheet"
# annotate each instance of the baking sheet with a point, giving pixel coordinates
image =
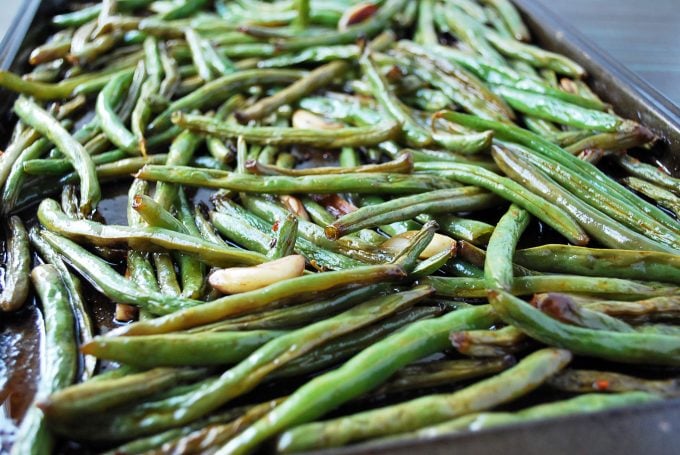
(648, 429)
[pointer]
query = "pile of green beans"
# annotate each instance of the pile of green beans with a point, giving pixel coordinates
(434, 170)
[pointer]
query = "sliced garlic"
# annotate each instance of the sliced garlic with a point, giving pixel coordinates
(295, 206)
(242, 279)
(126, 313)
(356, 14)
(307, 120)
(438, 244)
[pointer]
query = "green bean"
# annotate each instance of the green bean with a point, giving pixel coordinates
(470, 8)
(600, 226)
(252, 370)
(139, 268)
(101, 395)
(53, 50)
(209, 436)
(515, 382)
(473, 231)
(271, 135)
(295, 316)
(232, 225)
(127, 106)
(158, 441)
(285, 237)
(401, 165)
(661, 234)
(588, 381)
(556, 110)
(404, 208)
(638, 265)
(15, 178)
(142, 111)
(663, 308)
(511, 18)
(182, 9)
(471, 33)
(86, 83)
(442, 373)
(42, 188)
(535, 56)
(323, 184)
(165, 274)
(20, 141)
(110, 122)
(628, 138)
(510, 190)
(61, 166)
(375, 25)
(567, 311)
(553, 153)
(488, 343)
(216, 348)
(365, 371)
(272, 296)
(17, 267)
(662, 196)
(613, 287)
(84, 324)
(494, 73)
(245, 235)
(171, 76)
(219, 90)
(143, 238)
(155, 215)
(477, 257)
(407, 258)
(43, 122)
(191, 270)
(342, 348)
(197, 54)
(579, 405)
(648, 172)
(59, 363)
(414, 134)
(84, 15)
(459, 86)
(78, 17)
(182, 149)
(318, 78)
(434, 263)
(110, 283)
(205, 227)
(498, 270)
(425, 33)
(459, 77)
(650, 349)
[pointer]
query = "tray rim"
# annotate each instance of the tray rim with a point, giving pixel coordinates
(473, 441)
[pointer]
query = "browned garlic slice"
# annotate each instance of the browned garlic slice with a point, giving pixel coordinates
(438, 244)
(242, 279)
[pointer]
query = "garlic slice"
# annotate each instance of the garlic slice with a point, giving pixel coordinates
(356, 14)
(242, 279)
(307, 120)
(438, 244)
(295, 206)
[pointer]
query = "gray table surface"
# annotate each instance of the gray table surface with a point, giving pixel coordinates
(643, 35)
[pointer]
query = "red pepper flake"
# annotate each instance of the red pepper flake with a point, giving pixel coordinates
(601, 385)
(275, 226)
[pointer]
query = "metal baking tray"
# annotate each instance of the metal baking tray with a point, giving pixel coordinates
(649, 429)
